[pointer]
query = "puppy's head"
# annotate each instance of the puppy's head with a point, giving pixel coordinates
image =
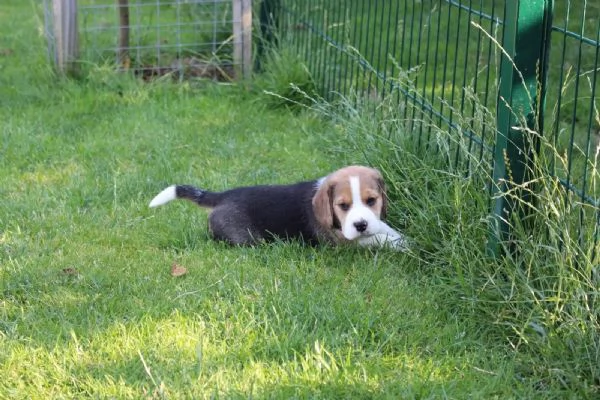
(351, 200)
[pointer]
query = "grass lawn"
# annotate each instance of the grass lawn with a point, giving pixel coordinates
(88, 307)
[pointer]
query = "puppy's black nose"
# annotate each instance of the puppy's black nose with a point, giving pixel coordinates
(361, 225)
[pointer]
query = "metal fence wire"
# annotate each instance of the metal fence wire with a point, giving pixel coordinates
(188, 37)
(445, 63)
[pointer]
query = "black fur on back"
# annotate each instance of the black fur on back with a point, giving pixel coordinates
(246, 215)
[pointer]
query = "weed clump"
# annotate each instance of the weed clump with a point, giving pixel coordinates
(285, 81)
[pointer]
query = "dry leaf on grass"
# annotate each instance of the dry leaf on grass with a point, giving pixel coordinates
(178, 270)
(70, 271)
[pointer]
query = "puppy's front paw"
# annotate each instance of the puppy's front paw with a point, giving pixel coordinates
(393, 241)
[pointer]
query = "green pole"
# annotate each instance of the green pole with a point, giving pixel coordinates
(522, 89)
(268, 15)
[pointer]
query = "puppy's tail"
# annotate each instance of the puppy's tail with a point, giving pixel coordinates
(201, 197)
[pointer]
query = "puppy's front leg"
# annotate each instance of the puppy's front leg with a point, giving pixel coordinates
(385, 236)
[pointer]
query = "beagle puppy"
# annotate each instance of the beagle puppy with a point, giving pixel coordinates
(347, 206)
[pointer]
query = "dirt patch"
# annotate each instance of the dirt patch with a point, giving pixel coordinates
(188, 68)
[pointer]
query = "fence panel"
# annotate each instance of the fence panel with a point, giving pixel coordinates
(437, 55)
(572, 110)
(188, 38)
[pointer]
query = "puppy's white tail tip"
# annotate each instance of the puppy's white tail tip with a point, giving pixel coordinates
(164, 197)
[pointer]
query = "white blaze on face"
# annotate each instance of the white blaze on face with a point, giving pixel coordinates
(320, 182)
(358, 212)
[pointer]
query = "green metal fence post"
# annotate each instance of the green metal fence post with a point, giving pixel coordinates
(268, 14)
(522, 88)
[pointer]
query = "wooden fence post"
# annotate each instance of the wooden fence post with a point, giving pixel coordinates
(242, 37)
(64, 13)
(123, 51)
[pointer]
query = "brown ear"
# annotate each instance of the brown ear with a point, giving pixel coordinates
(384, 199)
(322, 204)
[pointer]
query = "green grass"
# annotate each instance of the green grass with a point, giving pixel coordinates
(88, 307)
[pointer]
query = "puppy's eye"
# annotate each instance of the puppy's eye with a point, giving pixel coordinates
(344, 206)
(371, 201)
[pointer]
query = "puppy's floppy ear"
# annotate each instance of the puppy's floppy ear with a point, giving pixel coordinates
(384, 199)
(381, 185)
(322, 204)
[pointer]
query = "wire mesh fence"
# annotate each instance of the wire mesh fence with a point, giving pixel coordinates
(441, 61)
(427, 54)
(572, 108)
(155, 37)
